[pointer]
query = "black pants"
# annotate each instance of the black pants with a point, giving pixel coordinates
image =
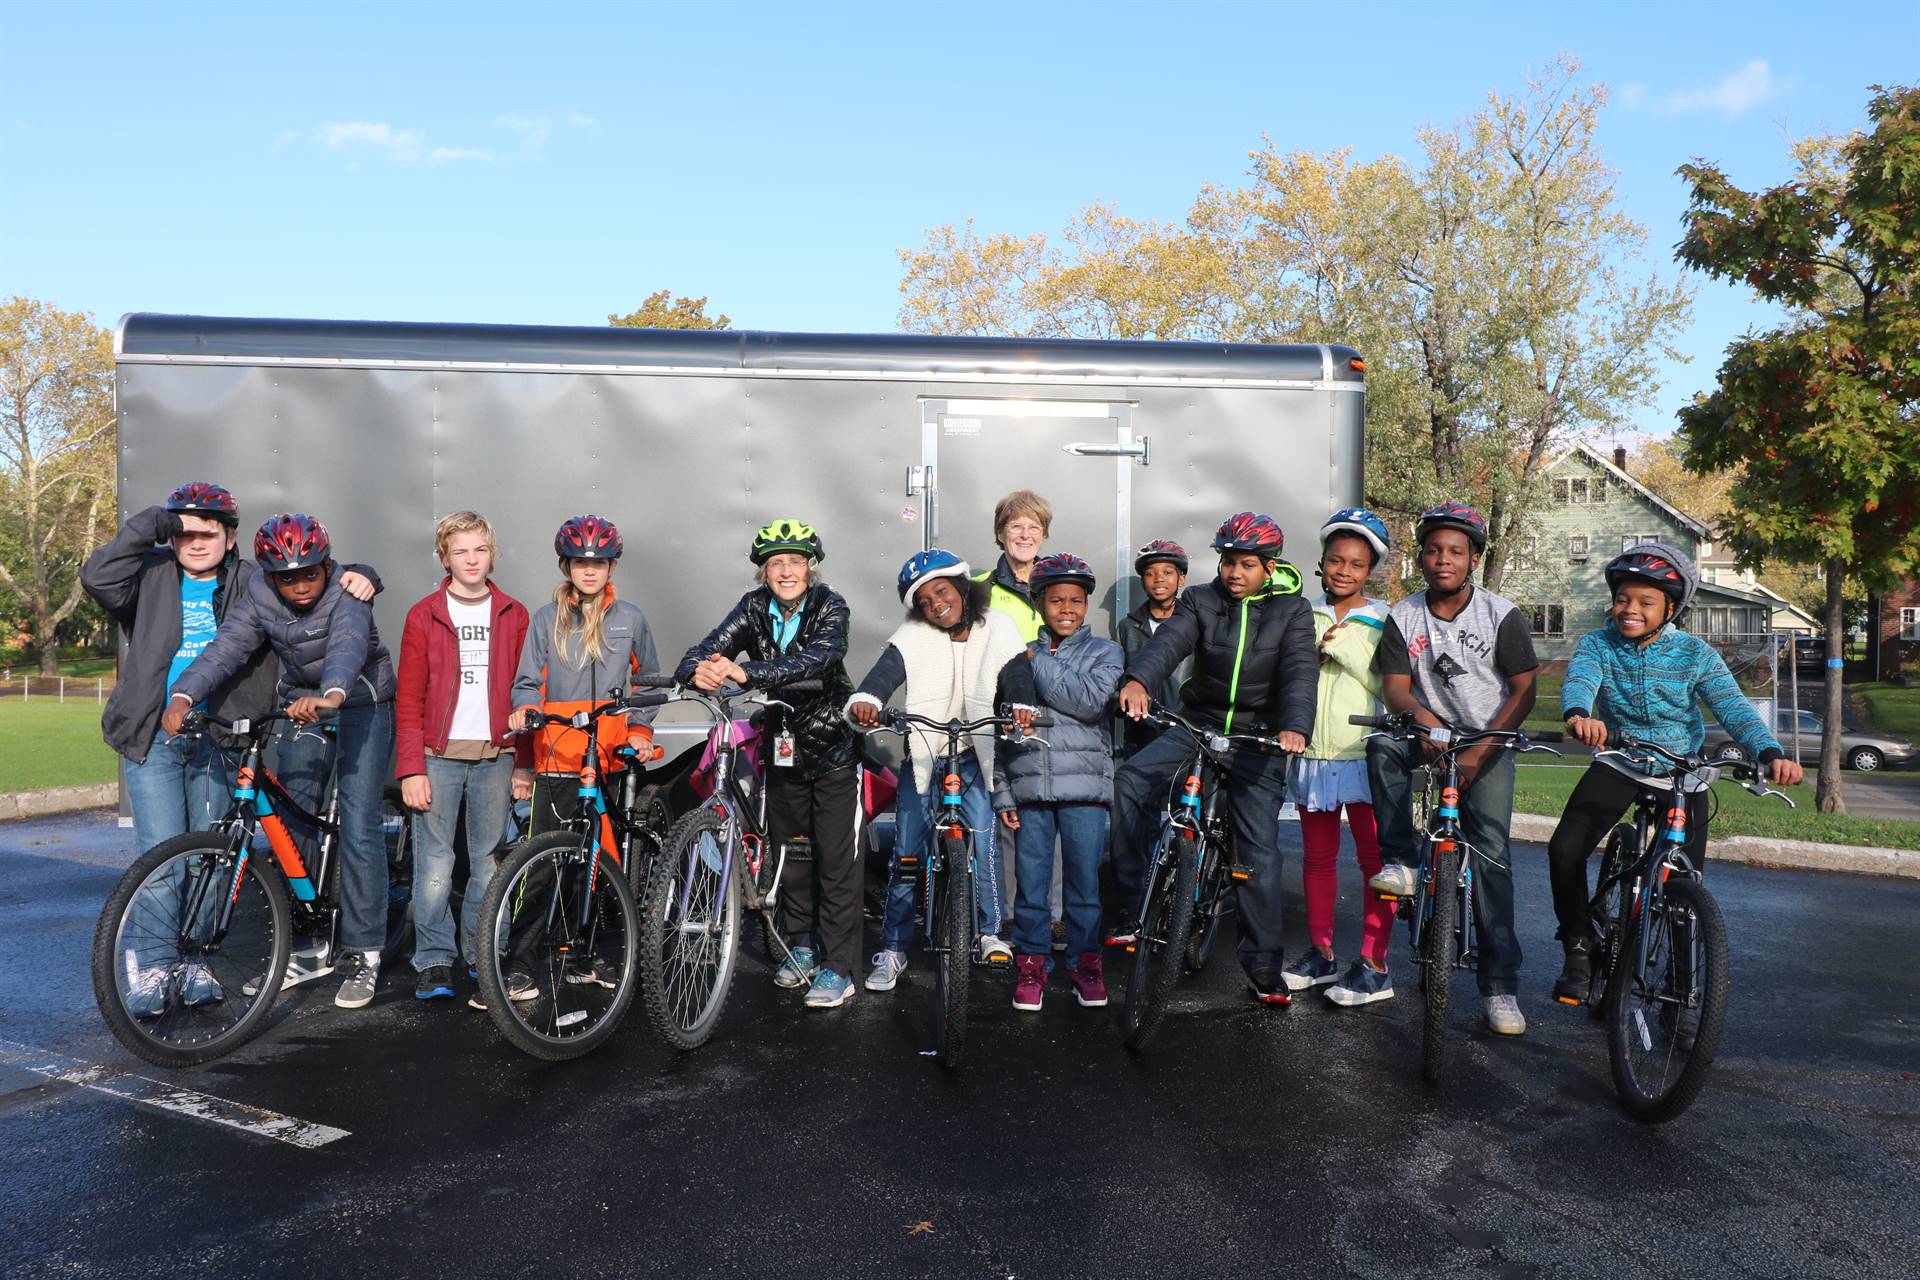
(1598, 802)
(820, 896)
(1256, 785)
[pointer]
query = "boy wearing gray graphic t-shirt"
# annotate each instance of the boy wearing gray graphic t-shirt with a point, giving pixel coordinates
(1459, 656)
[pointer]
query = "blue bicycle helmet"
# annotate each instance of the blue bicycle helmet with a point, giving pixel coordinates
(1363, 522)
(924, 566)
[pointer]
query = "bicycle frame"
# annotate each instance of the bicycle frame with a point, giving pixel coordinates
(1199, 807)
(1443, 835)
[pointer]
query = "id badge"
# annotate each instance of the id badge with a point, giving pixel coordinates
(783, 749)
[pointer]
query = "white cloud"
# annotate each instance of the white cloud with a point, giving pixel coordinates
(1633, 96)
(409, 146)
(1734, 95)
(400, 143)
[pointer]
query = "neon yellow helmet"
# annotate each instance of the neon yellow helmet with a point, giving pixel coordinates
(786, 535)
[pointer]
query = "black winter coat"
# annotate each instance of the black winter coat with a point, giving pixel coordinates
(823, 741)
(1256, 668)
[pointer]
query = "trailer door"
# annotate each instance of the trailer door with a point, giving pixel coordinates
(1077, 454)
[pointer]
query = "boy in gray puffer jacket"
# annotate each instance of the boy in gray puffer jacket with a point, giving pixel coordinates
(1063, 788)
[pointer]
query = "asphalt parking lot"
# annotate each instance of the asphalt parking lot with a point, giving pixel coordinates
(409, 1139)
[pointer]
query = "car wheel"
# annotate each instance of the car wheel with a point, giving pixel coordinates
(1865, 759)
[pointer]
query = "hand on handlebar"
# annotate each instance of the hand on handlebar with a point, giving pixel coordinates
(517, 721)
(1589, 731)
(1135, 701)
(1783, 772)
(715, 671)
(174, 718)
(307, 710)
(1291, 742)
(865, 714)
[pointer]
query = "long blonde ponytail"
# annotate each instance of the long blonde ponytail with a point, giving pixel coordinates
(580, 626)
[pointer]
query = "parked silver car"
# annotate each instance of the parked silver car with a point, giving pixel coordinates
(1859, 749)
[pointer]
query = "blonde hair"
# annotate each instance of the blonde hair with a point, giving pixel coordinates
(1021, 502)
(458, 522)
(580, 626)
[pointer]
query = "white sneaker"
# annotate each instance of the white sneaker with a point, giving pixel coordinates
(1504, 1017)
(1395, 880)
(993, 950)
(887, 968)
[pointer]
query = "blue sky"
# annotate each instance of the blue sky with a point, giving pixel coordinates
(552, 163)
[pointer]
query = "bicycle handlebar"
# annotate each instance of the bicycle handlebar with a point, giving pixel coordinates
(1401, 724)
(248, 726)
(1213, 740)
(1746, 772)
(900, 721)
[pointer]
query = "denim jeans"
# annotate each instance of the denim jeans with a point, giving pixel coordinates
(184, 785)
(915, 830)
(364, 737)
(487, 788)
(1486, 812)
(1081, 830)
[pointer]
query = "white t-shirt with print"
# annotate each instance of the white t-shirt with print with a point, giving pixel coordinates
(473, 625)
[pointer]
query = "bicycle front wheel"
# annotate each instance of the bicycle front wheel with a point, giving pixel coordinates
(953, 958)
(1164, 927)
(1210, 903)
(171, 981)
(690, 929)
(1623, 851)
(1663, 1031)
(558, 946)
(1437, 946)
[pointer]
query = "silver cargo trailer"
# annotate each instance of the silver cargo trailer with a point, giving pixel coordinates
(689, 441)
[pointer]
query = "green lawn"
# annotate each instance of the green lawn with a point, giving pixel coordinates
(1890, 708)
(1545, 788)
(45, 744)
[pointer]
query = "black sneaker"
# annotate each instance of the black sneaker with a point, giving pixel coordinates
(1267, 987)
(1576, 976)
(436, 983)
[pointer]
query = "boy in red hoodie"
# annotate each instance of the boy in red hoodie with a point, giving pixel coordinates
(458, 654)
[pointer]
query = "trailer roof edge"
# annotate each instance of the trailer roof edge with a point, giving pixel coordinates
(156, 336)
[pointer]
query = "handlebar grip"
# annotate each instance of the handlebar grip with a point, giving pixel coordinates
(1547, 735)
(1371, 722)
(1044, 721)
(1617, 739)
(656, 680)
(641, 701)
(798, 686)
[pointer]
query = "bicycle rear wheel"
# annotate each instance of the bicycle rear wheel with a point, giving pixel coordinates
(558, 946)
(1662, 1033)
(690, 929)
(169, 982)
(1210, 903)
(1436, 955)
(1164, 927)
(953, 959)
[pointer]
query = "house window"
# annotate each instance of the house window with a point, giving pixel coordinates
(1526, 554)
(1577, 545)
(1717, 621)
(1710, 575)
(1559, 490)
(1910, 624)
(1599, 489)
(1577, 491)
(1547, 619)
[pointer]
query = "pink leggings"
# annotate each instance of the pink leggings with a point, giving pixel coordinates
(1320, 833)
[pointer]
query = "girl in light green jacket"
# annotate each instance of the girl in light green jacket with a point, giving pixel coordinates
(1332, 775)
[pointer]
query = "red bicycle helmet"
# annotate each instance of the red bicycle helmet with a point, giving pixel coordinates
(201, 498)
(1453, 515)
(588, 538)
(1060, 567)
(1251, 531)
(291, 541)
(1160, 551)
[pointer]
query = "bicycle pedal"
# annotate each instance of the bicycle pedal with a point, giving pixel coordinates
(1239, 871)
(1387, 897)
(1568, 1000)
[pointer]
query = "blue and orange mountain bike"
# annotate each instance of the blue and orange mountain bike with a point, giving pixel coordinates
(198, 937)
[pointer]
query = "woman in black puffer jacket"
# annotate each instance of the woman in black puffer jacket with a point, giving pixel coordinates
(794, 627)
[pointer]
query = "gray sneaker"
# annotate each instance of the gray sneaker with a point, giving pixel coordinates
(357, 991)
(1395, 880)
(1504, 1017)
(887, 968)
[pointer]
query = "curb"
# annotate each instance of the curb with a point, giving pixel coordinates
(1761, 851)
(51, 800)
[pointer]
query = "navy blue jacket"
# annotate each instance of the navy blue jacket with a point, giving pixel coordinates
(333, 645)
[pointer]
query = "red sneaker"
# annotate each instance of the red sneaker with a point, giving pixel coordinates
(1029, 982)
(1089, 988)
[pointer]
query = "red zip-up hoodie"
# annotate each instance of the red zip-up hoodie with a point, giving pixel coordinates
(429, 679)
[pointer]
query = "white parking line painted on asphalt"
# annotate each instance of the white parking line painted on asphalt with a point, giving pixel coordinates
(169, 1097)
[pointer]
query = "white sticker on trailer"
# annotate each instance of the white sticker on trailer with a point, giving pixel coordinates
(962, 426)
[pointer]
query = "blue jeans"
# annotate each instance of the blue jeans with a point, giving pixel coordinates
(915, 830)
(184, 785)
(364, 736)
(1081, 830)
(487, 788)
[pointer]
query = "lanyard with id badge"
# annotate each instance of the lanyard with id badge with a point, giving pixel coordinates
(785, 627)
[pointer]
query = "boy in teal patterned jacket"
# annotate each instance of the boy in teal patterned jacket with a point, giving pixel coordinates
(1639, 673)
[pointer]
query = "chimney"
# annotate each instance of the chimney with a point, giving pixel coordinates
(1620, 456)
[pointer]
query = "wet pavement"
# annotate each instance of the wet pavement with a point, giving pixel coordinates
(1247, 1140)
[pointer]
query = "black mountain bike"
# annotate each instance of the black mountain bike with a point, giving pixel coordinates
(1439, 918)
(1660, 961)
(947, 870)
(198, 938)
(714, 863)
(1187, 879)
(559, 925)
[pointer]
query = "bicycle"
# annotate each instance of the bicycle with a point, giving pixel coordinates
(713, 863)
(947, 872)
(1440, 925)
(1660, 967)
(559, 922)
(195, 942)
(1187, 877)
